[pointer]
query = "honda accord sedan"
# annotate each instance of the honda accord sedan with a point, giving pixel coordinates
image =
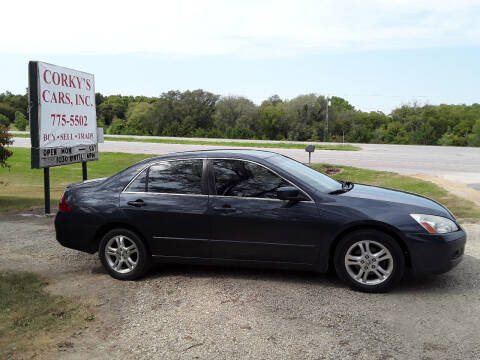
(259, 209)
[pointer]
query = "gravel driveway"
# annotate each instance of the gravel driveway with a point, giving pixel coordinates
(189, 312)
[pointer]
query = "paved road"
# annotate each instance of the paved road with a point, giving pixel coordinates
(453, 163)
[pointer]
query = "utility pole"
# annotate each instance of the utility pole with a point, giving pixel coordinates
(328, 104)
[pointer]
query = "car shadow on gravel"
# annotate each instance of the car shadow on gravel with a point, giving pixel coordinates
(462, 279)
(221, 272)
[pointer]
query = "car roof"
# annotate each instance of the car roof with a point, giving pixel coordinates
(224, 153)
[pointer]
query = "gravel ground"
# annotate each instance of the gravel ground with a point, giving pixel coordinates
(189, 312)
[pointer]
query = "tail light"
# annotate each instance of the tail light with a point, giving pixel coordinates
(63, 205)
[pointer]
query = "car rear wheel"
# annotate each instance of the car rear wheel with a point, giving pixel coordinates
(124, 255)
(369, 261)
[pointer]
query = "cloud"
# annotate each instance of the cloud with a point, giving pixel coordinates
(243, 28)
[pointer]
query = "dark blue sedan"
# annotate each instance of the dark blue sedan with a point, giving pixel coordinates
(259, 209)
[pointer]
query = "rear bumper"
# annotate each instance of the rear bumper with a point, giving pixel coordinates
(72, 235)
(436, 253)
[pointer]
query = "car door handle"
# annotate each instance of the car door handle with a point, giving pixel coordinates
(136, 203)
(224, 208)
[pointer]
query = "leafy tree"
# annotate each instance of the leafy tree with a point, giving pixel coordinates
(174, 129)
(235, 111)
(306, 117)
(20, 121)
(140, 120)
(393, 133)
(200, 113)
(199, 106)
(112, 107)
(340, 105)
(10, 103)
(5, 139)
(273, 100)
(451, 139)
(4, 121)
(240, 133)
(474, 137)
(272, 123)
(118, 126)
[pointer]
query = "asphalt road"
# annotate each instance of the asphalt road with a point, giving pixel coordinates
(453, 163)
(193, 312)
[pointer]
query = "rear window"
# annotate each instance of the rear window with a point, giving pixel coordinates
(170, 177)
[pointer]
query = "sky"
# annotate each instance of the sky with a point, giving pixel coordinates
(376, 54)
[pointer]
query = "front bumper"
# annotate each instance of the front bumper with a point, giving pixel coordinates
(435, 253)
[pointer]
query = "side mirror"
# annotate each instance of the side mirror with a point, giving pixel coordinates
(290, 193)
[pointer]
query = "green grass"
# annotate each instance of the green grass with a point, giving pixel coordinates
(277, 145)
(32, 320)
(21, 135)
(22, 187)
(461, 208)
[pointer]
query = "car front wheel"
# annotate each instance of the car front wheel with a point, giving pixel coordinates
(369, 261)
(124, 255)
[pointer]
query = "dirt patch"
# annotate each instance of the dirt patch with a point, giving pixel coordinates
(332, 171)
(455, 187)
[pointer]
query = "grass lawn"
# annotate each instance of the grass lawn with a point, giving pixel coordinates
(277, 145)
(20, 135)
(31, 320)
(12, 127)
(461, 208)
(21, 187)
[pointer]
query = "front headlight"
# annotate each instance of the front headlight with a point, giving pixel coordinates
(435, 224)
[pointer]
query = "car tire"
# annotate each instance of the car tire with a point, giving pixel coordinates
(369, 261)
(124, 255)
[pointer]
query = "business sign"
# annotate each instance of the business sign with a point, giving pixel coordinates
(63, 122)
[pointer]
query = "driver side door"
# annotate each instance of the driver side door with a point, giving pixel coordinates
(250, 223)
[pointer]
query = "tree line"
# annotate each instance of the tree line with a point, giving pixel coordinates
(201, 113)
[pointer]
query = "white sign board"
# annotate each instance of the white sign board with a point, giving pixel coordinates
(66, 116)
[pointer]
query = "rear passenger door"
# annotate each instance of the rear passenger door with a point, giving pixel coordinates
(168, 202)
(249, 222)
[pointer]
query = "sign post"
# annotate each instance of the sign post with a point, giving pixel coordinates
(310, 149)
(63, 122)
(84, 170)
(46, 189)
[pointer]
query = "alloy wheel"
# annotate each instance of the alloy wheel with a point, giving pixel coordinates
(121, 254)
(368, 262)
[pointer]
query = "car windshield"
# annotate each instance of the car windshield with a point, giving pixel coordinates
(314, 178)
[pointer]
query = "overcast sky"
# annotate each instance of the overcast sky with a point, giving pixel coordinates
(376, 54)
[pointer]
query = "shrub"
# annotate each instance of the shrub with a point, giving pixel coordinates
(20, 121)
(5, 139)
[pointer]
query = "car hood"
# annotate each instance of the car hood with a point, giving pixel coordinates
(399, 197)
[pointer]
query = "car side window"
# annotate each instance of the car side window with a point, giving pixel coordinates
(176, 177)
(139, 184)
(245, 179)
